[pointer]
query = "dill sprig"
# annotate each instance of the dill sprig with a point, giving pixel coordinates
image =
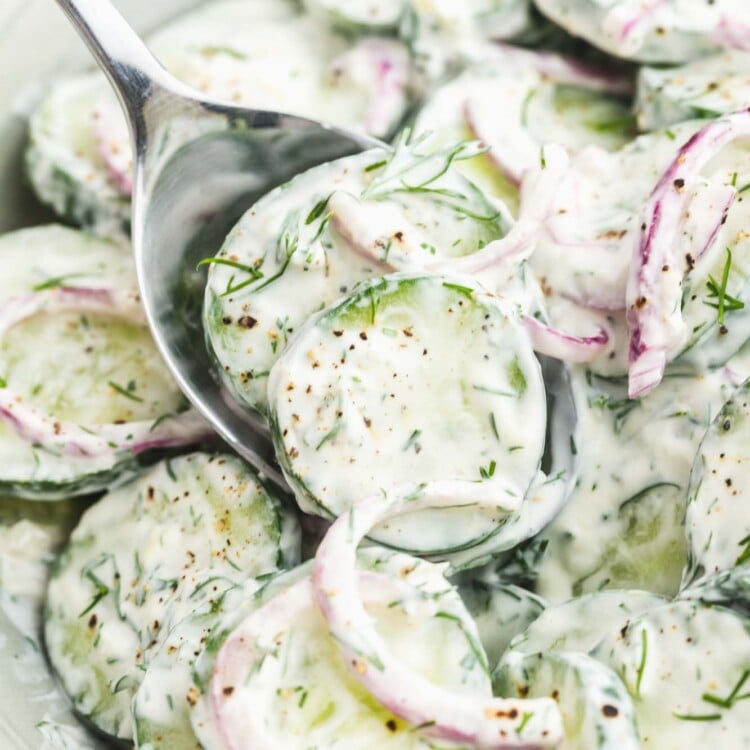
(733, 697)
(253, 273)
(724, 302)
(409, 170)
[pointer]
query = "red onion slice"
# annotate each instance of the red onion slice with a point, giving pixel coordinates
(730, 32)
(565, 346)
(659, 266)
(537, 194)
(629, 22)
(95, 440)
(495, 723)
(238, 725)
(381, 68)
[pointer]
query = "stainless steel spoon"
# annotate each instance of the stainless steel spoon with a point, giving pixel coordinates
(199, 165)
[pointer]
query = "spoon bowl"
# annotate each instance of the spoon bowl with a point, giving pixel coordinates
(199, 165)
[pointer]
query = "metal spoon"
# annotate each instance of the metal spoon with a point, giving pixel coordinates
(199, 165)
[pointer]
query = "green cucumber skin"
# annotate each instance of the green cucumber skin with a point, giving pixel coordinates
(112, 599)
(68, 257)
(351, 314)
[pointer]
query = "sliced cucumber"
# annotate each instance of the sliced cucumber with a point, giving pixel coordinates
(501, 610)
(161, 710)
(63, 161)
(79, 155)
(596, 709)
(522, 100)
(716, 291)
(30, 535)
(647, 30)
(444, 36)
(718, 520)
(353, 406)
(298, 693)
(714, 85)
(581, 624)
(142, 559)
(686, 667)
(75, 363)
(622, 526)
(360, 15)
(308, 242)
(35, 713)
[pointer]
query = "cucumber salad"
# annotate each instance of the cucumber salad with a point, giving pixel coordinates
(504, 363)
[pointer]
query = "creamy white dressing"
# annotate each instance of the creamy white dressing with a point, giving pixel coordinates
(707, 87)
(296, 681)
(353, 400)
(679, 663)
(663, 31)
(718, 520)
(312, 240)
(384, 397)
(141, 560)
(597, 712)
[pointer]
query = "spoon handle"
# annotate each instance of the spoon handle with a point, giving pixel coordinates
(131, 68)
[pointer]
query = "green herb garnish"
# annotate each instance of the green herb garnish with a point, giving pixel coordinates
(128, 392)
(725, 302)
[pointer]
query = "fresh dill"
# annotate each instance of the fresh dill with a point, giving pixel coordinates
(127, 392)
(724, 302)
(642, 664)
(486, 472)
(253, 274)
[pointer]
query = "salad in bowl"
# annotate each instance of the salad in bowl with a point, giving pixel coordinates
(502, 359)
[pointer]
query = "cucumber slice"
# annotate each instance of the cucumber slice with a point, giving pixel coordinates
(161, 712)
(596, 709)
(714, 85)
(686, 666)
(716, 291)
(63, 161)
(30, 535)
(443, 36)
(522, 100)
(648, 30)
(141, 559)
(365, 16)
(353, 406)
(441, 121)
(74, 363)
(622, 526)
(717, 521)
(581, 624)
(35, 713)
(79, 156)
(515, 101)
(301, 690)
(501, 610)
(309, 241)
